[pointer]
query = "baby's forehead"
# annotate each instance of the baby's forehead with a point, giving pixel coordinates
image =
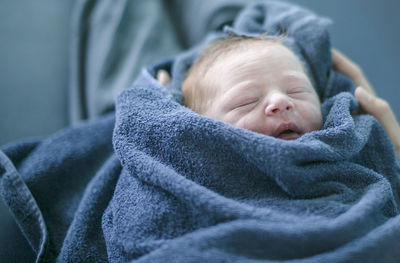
(256, 61)
(262, 48)
(252, 52)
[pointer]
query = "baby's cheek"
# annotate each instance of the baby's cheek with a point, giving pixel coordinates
(241, 123)
(314, 119)
(230, 119)
(252, 124)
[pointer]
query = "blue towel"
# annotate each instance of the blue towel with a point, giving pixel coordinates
(180, 187)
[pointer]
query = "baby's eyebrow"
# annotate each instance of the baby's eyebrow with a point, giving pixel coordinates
(295, 76)
(241, 85)
(238, 89)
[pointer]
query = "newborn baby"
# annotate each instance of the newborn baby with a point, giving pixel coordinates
(256, 84)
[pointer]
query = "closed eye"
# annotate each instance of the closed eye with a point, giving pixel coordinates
(297, 90)
(246, 103)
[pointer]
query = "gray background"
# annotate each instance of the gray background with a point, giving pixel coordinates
(34, 42)
(33, 67)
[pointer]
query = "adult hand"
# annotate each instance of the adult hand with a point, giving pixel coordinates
(367, 98)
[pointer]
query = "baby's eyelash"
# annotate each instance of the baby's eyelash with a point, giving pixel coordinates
(247, 102)
(297, 90)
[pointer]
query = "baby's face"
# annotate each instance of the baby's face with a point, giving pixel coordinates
(264, 89)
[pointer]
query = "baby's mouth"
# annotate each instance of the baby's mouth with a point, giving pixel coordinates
(288, 135)
(287, 131)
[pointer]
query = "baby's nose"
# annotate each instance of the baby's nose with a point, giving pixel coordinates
(279, 103)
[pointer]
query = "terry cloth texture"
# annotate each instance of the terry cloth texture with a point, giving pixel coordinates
(180, 187)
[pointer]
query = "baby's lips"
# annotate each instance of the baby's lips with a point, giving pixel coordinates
(289, 136)
(285, 126)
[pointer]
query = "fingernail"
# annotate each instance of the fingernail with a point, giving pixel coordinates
(363, 93)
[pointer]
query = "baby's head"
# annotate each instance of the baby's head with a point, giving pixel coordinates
(255, 84)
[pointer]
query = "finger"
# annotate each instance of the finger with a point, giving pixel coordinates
(381, 110)
(370, 103)
(344, 65)
(163, 77)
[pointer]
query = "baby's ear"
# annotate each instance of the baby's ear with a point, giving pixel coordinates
(163, 77)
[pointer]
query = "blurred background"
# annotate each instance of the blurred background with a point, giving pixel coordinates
(34, 65)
